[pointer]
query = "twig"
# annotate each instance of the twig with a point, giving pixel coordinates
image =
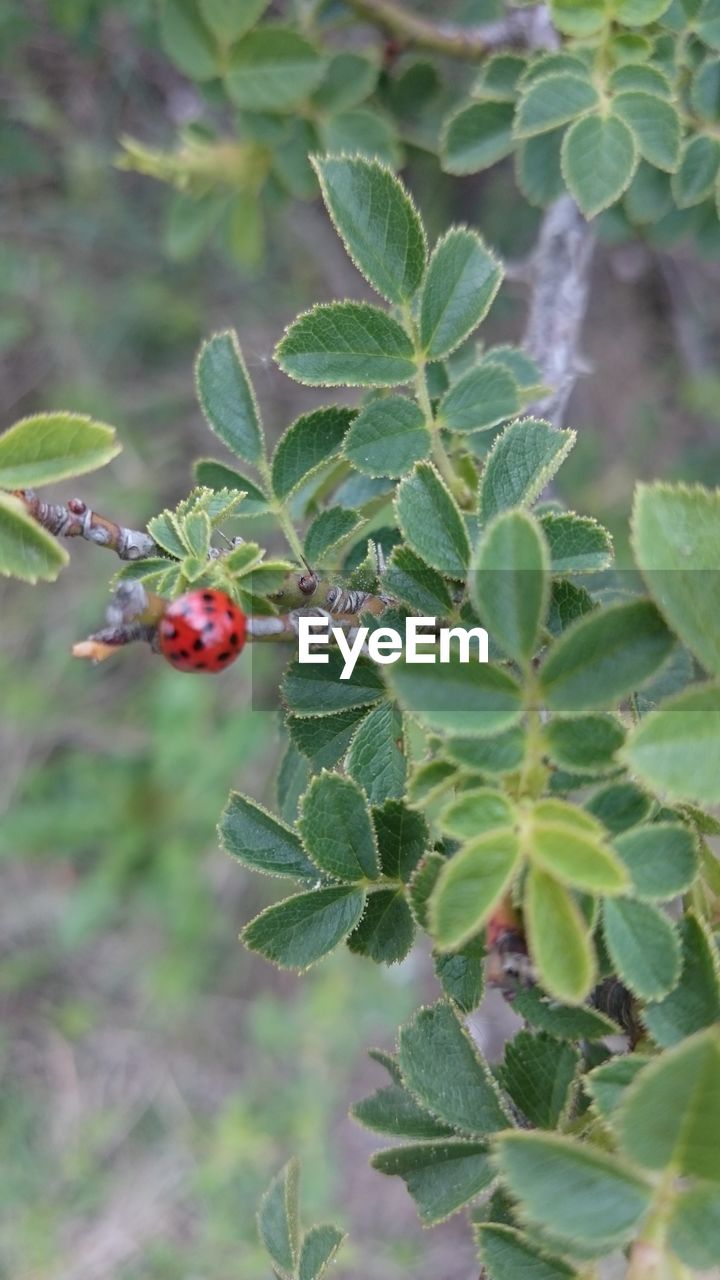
(76, 520)
(560, 279)
(527, 28)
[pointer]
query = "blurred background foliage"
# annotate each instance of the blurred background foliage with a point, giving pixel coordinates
(154, 1074)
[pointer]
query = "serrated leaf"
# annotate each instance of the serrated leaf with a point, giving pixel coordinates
(319, 1247)
(497, 79)
(261, 841)
(278, 1218)
(483, 397)
(461, 281)
(522, 461)
(196, 532)
(346, 344)
(509, 582)
(431, 521)
(578, 544)
(607, 1084)
(640, 76)
(52, 446)
(571, 852)
(441, 1177)
(402, 838)
(676, 749)
(187, 41)
(388, 437)
(619, 805)
(599, 157)
(604, 656)
(585, 744)
(377, 221)
(477, 136)
(409, 579)
(273, 68)
(539, 1072)
(228, 19)
(27, 551)
(560, 944)
(661, 858)
(461, 975)
(694, 1228)
(575, 19)
(508, 1255)
(226, 396)
(349, 78)
(470, 885)
(309, 690)
(362, 132)
(298, 931)
(695, 177)
(328, 531)
(705, 90)
(638, 13)
(471, 813)
(643, 946)
(336, 828)
(576, 1023)
(574, 1191)
(676, 539)
(707, 23)
(376, 759)
(311, 441)
(495, 755)
(470, 699)
(655, 124)
(681, 1087)
(552, 100)
(325, 739)
(387, 930)
(394, 1111)
(537, 168)
(422, 883)
(445, 1072)
(216, 475)
(695, 1002)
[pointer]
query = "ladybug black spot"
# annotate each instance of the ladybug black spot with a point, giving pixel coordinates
(223, 657)
(198, 645)
(208, 597)
(183, 653)
(234, 639)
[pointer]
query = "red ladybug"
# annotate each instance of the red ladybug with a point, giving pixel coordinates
(202, 631)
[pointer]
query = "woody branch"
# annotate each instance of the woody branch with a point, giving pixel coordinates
(76, 520)
(527, 28)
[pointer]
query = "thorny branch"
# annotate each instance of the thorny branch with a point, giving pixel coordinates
(76, 520)
(527, 28)
(559, 285)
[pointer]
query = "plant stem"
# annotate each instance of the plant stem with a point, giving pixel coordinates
(440, 456)
(280, 511)
(467, 43)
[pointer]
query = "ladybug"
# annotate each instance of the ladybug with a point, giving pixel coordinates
(202, 631)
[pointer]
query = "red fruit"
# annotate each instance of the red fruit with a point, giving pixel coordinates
(202, 631)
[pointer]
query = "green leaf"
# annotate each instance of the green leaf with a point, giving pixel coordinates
(483, 397)
(310, 690)
(476, 137)
(376, 759)
(473, 812)
(328, 531)
(470, 886)
(639, 76)
(394, 1111)
(461, 976)
(27, 551)
(442, 1068)
(695, 1002)
(311, 441)
(507, 1255)
(655, 124)
(498, 77)
(346, 344)
(186, 40)
(605, 656)
(319, 1247)
(216, 475)
(325, 739)
(227, 398)
(643, 946)
(362, 132)
(576, 1023)
(553, 100)
(228, 19)
(676, 749)
(278, 1218)
(661, 859)
(441, 1177)
(576, 1192)
(272, 69)
(695, 178)
(578, 544)
(575, 19)
(387, 930)
(585, 744)
(539, 1073)
(261, 841)
(295, 933)
(681, 1087)
(537, 168)
(619, 805)
(694, 1229)
(676, 539)
(431, 521)
(461, 281)
(599, 157)
(707, 23)
(509, 583)
(337, 830)
(387, 437)
(607, 1084)
(638, 13)
(197, 532)
(377, 222)
(402, 837)
(349, 78)
(52, 446)
(569, 845)
(470, 699)
(522, 461)
(705, 90)
(560, 944)
(415, 584)
(501, 754)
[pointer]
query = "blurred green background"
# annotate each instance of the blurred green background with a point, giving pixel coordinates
(154, 1074)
